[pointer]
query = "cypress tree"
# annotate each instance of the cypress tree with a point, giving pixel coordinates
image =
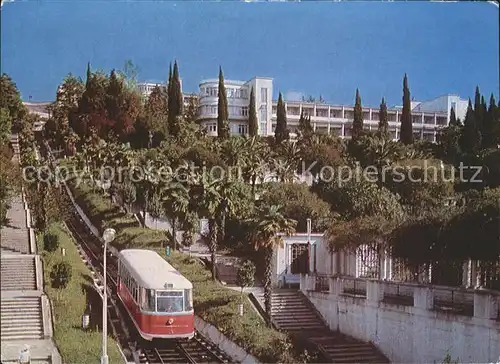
(281, 133)
(453, 118)
(406, 132)
(491, 126)
(470, 140)
(479, 109)
(357, 124)
(383, 124)
(305, 127)
(252, 115)
(89, 74)
(222, 114)
(175, 102)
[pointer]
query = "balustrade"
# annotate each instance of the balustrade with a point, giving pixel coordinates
(483, 304)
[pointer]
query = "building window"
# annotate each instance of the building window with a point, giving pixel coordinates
(263, 128)
(263, 95)
(244, 111)
(263, 113)
(244, 94)
(242, 129)
(212, 91)
(322, 113)
(307, 112)
(212, 127)
(230, 92)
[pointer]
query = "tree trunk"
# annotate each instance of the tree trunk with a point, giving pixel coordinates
(174, 233)
(212, 235)
(268, 256)
(145, 206)
(254, 180)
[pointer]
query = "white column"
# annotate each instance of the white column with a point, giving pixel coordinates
(423, 298)
(485, 306)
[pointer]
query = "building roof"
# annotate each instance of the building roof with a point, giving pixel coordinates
(151, 271)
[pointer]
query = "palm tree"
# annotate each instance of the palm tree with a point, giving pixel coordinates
(286, 161)
(269, 226)
(175, 197)
(255, 160)
(212, 198)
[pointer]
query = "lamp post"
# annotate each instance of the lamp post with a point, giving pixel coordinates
(108, 236)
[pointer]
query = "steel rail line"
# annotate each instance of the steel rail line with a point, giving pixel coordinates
(197, 350)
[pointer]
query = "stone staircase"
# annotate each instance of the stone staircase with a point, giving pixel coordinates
(21, 318)
(292, 312)
(18, 273)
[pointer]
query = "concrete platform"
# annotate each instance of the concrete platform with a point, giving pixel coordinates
(41, 351)
(26, 321)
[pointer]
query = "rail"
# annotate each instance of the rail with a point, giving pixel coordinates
(90, 246)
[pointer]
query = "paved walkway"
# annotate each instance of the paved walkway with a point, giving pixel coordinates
(26, 317)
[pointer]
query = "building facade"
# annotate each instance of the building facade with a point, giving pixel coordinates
(428, 116)
(238, 100)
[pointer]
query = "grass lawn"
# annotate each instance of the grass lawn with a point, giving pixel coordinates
(75, 345)
(212, 302)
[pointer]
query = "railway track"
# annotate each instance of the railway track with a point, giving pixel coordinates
(198, 350)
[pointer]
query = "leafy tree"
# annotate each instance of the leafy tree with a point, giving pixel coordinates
(122, 106)
(357, 124)
(298, 203)
(191, 110)
(281, 133)
(155, 207)
(153, 127)
(5, 126)
(359, 197)
(61, 274)
(383, 124)
(222, 113)
(320, 153)
(252, 116)
(448, 140)
(406, 136)
(246, 275)
(268, 224)
(10, 99)
(92, 107)
(175, 103)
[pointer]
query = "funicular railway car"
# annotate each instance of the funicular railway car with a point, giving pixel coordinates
(157, 297)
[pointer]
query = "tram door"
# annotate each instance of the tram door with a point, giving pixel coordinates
(300, 259)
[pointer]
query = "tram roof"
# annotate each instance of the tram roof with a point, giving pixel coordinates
(151, 271)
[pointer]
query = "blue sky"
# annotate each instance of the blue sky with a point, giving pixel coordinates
(309, 48)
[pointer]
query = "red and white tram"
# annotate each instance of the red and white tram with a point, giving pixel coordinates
(157, 297)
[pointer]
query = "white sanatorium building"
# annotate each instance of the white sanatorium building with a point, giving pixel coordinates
(428, 116)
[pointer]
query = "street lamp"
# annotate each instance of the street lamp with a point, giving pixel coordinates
(108, 236)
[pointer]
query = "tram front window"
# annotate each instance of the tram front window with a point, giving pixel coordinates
(169, 301)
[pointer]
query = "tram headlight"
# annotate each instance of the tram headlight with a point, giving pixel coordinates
(170, 321)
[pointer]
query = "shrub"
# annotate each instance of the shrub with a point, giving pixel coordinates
(60, 274)
(246, 275)
(50, 243)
